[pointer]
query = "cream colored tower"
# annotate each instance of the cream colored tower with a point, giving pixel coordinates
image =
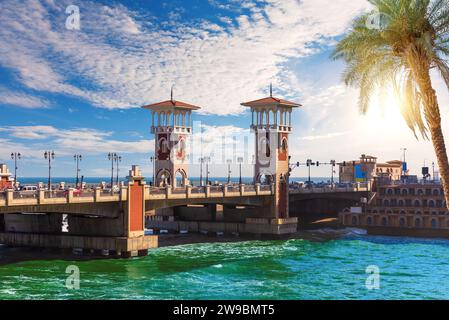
(172, 128)
(271, 123)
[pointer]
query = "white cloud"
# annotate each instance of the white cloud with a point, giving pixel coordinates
(70, 141)
(127, 61)
(22, 100)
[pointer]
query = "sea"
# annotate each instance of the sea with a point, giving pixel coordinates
(351, 266)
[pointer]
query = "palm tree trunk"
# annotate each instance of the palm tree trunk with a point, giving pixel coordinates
(420, 69)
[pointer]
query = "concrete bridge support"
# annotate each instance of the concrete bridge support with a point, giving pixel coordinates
(122, 235)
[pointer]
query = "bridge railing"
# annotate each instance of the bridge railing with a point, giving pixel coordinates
(24, 195)
(55, 194)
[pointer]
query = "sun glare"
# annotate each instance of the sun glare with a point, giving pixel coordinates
(384, 113)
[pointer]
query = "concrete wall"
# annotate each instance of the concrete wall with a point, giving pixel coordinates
(96, 226)
(33, 223)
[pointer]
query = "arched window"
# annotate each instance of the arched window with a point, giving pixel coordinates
(389, 191)
(418, 222)
(284, 145)
(434, 223)
(420, 192)
(369, 221)
(400, 203)
(436, 192)
(404, 192)
(431, 203)
(386, 202)
(417, 203)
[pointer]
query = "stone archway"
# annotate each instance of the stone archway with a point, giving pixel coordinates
(163, 178)
(180, 179)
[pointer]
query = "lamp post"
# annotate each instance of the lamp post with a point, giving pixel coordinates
(153, 161)
(117, 160)
(240, 161)
(332, 163)
(77, 158)
(111, 157)
(207, 160)
(229, 161)
(201, 160)
(15, 156)
(49, 155)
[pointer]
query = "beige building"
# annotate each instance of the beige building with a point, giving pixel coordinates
(367, 167)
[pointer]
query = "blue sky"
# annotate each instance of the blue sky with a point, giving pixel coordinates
(79, 91)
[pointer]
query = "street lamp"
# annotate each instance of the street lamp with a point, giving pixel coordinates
(201, 160)
(49, 155)
(77, 158)
(332, 170)
(240, 161)
(111, 157)
(229, 161)
(207, 160)
(153, 161)
(15, 156)
(117, 160)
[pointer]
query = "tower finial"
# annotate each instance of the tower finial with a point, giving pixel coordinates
(271, 89)
(171, 93)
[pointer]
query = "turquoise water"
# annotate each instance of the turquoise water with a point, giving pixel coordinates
(291, 269)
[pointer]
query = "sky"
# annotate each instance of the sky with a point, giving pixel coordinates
(78, 89)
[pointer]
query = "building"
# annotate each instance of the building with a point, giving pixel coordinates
(5, 177)
(415, 209)
(390, 169)
(367, 168)
(361, 170)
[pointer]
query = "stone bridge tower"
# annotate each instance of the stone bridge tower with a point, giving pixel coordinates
(271, 124)
(172, 127)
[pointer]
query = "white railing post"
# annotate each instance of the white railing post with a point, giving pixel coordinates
(9, 197)
(41, 196)
(257, 187)
(207, 191)
(97, 194)
(123, 193)
(70, 196)
(188, 191)
(168, 190)
(242, 189)
(225, 190)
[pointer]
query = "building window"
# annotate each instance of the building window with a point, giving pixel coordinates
(417, 203)
(431, 203)
(354, 220)
(402, 222)
(386, 202)
(369, 221)
(434, 224)
(404, 192)
(401, 203)
(420, 192)
(389, 191)
(436, 192)
(384, 222)
(418, 222)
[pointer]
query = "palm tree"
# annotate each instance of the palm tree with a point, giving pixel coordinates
(407, 40)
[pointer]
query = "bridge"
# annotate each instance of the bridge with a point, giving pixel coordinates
(100, 220)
